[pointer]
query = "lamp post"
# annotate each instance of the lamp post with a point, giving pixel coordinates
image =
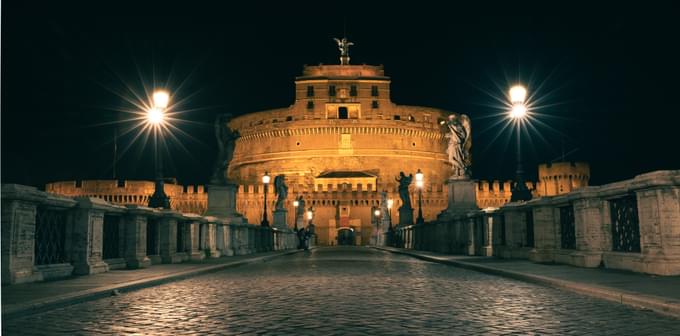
(155, 116)
(518, 94)
(265, 181)
(390, 202)
(419, 184)
(296, 203)
(310, 215)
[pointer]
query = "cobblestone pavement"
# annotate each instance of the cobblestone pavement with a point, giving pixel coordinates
(346, 291)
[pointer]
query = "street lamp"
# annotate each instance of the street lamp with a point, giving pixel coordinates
(419, 184)
(518, 94)
(296, 203)
(265, 181)
(155, 116)
(390, 202)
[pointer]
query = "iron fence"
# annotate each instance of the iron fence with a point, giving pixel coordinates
(50, 235)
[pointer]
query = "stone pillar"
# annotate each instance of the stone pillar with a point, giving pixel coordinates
(193, 239)
(515, 230)
(592, 233)
(135, 237)
(19, 208)
(168, 237)
(222, 201)
(462, 195)
(488, 224)
(280, 219)
(224, 239)
(471, 239)
(658, 202)
(210, 238)
(405, 216)
(545, 225)
(86, 238)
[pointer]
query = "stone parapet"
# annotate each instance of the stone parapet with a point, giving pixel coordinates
(47, 236)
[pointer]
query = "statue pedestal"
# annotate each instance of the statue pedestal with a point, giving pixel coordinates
(222, 202)
(405, 216)
(280, 219)
(462, 197)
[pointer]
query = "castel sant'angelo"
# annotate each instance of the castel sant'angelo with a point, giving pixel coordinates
(339, 145)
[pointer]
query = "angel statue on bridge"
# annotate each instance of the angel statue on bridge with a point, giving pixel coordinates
(458, 149)
(281, 190)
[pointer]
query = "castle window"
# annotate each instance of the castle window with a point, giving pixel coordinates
(397, 117)
(374, 104)
(374, 91)
(121, 183)
(310, 91)
(411, 118)
(353, 90)
(310, 105)
(342, 112)
(289, 118)
(331, 90)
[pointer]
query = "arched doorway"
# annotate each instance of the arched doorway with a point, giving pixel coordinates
(346, 236)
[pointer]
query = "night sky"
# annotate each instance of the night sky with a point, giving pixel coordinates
(605, 79)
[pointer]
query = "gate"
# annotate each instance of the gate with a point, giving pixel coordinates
(567, 227)
(50, 233)
(625, 224)
(152, 237)
(111, 237)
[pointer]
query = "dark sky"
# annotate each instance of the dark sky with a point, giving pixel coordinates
(606, 78)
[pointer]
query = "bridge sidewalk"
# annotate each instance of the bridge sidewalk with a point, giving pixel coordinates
(657, 293)
(40, 296)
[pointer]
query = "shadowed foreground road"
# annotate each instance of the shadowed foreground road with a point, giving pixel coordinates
(346, 291)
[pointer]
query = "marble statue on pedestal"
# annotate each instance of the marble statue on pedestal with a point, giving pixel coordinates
(226, 142)
(459, 144)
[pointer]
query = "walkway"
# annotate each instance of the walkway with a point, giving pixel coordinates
(346, 291)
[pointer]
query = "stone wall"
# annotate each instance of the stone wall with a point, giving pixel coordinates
(357, 198)
(631, 225)
(47, 236)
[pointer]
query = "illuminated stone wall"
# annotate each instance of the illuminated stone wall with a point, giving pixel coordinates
(187, 199)
(339, 144)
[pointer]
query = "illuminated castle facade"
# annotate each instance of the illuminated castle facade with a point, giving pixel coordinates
(341, 143)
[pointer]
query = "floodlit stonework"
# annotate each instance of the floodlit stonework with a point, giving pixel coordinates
(339, 144)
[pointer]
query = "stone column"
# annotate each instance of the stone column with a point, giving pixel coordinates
(405, 216)
(488, 224)
(470, 225)
(222, 201)
(224, 239)
(168, 237)
(280, 219)
(244, 238)
(19, 208)
(658, 202)
(193, 238)
(135, 236)
(545, 226)
(515, 230)
(592, 233)
(86, 248)
(210, 242)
